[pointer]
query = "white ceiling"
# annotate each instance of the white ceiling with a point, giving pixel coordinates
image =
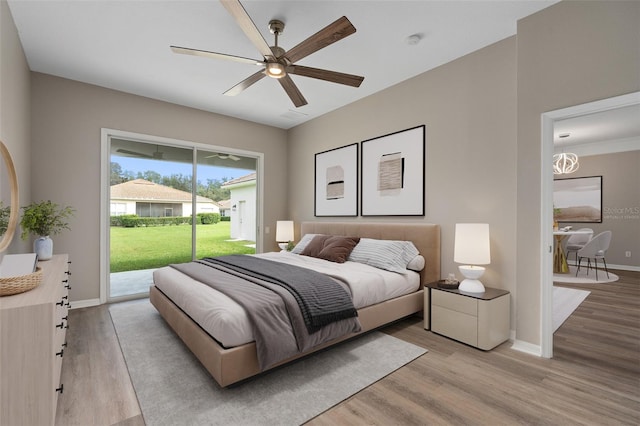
(613, 130)
(124, 45)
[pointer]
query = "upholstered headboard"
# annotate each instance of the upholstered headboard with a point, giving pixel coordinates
(425, 236)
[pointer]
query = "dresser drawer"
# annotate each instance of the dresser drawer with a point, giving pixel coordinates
(457, 325)
(455, 302)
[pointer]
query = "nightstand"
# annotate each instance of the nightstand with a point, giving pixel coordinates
(477, 319)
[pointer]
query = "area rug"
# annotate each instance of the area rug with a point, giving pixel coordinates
(565, 301)
(173, 388)
(583, 277)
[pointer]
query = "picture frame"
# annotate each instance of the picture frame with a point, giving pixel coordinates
(336, 182)
(393, 171)
(578, 200)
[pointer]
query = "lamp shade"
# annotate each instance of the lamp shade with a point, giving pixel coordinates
(284, 231)
(472, 244)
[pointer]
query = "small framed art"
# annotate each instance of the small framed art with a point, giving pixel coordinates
(336, 182)
(393, 168)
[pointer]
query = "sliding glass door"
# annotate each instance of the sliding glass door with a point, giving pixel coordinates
(172, 204)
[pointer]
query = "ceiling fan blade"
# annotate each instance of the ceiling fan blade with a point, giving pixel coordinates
(207, 54)
(245, 83)
(248, 27)
(134, 153)
(326, 75)
(336, 31)
(292, 90)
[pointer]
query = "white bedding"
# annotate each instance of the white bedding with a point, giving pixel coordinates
(227, 322)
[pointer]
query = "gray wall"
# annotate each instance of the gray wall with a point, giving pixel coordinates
(571, 53)
(620, 203)
(67, 117)
(469, 109)
(15, 117)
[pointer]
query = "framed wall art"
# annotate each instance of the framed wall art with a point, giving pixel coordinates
(392, 177)
(578, 200)
(336, 182)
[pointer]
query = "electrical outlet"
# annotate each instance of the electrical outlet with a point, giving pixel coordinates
(627, 253)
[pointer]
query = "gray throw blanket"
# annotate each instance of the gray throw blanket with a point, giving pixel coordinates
(277, 322)
(321, 300)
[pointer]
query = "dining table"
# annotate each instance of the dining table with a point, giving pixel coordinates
(560, 265)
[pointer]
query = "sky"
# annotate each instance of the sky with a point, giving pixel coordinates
(167, 168)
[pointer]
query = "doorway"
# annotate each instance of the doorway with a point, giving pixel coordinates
(162, 202)
(549, 120)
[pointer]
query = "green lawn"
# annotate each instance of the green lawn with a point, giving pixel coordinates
(145, 248)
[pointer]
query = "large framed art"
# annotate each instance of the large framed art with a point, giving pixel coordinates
(393, 168)
(336, 182)
(578, 200)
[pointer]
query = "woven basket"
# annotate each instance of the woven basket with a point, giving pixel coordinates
(21, 283)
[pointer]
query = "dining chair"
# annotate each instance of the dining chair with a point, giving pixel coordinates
(595, 249)
(576, 241)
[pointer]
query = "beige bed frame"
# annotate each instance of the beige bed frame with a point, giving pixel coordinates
(228, 366)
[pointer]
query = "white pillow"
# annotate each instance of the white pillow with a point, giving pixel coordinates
(416, 264)
(384, 254)
(306, 239)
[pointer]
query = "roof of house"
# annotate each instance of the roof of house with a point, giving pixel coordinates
(224, 204)
(242, 179)
(141, 189)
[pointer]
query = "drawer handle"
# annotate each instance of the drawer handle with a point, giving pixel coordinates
(68, 287)
(60, 326)
(65, 281)
(65, 297)
(61, 388)
(67, 272)
(64, 345)
(68, 305)
(61, 353)
(66, 318)
(60, 303)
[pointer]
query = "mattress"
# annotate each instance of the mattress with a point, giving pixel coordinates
(227, 322)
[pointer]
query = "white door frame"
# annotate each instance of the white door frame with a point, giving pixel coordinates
(546, 204)
(105, 175)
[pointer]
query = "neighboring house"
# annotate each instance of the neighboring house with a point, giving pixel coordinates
(148, 199)
(225, 207)
(243, 207)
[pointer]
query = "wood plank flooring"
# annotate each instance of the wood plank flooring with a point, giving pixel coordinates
(593, 379)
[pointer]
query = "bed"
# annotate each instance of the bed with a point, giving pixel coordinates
(237, 361)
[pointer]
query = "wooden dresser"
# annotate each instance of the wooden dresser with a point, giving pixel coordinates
(33, 327)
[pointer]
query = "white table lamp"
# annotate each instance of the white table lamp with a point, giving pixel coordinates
(472, 249)
(284, 233)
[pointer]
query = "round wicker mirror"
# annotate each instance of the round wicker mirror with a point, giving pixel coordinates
(7, 170)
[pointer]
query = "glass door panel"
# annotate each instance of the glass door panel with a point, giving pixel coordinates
(225, 179)
(151, 212)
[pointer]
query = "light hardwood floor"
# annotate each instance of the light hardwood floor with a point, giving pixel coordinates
(594, 377)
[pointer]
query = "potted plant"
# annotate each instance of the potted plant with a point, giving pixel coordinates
(44, 219)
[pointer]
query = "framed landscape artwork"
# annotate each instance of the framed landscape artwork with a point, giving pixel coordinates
(336, 182)
(393, 168)
(578, 200)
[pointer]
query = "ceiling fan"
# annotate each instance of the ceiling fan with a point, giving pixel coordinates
(223, 156)
(278, 63)
(157, 155)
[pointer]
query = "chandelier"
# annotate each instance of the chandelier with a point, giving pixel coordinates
(565, 163)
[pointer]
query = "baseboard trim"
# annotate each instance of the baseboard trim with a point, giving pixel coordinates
(78, 304)
(527, 347)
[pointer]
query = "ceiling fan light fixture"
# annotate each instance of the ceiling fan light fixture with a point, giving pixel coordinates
(275, 70)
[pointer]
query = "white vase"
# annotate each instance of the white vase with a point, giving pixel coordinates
(43, 247)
